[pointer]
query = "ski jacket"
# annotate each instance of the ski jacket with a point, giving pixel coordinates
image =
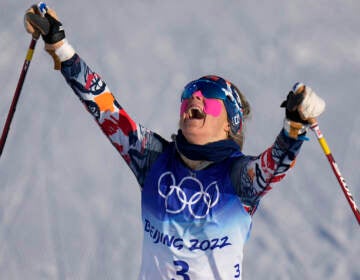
(195, 222)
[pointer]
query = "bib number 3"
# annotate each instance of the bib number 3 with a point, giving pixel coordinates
(183, 269)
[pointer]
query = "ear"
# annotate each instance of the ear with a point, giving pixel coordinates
(227, 128)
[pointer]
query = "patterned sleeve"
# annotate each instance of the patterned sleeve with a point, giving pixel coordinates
(253, 176)
(138, 146)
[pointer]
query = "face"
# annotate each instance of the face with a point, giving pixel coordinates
(203, 120)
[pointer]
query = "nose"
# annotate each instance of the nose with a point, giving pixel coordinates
(197, 95)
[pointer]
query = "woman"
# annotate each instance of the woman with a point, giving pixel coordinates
(198, 191)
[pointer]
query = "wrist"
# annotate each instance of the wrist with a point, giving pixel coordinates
(65, 51)
(62, 49)
(60, 52)
(294, 129)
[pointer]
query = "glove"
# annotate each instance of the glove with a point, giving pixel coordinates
(302, 105)
(52, 32)
(34, 23)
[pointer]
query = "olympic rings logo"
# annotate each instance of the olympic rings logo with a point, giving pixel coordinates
(177, 199)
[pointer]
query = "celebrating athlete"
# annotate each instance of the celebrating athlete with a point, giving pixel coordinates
(198, 191)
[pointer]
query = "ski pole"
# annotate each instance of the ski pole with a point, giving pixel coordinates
(315, 128)
(40, 8)
(17, 93)
(300, 88)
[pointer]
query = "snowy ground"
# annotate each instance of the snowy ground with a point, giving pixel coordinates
(69, 207)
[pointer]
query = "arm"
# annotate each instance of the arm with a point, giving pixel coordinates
(253, 176)
(137, 145)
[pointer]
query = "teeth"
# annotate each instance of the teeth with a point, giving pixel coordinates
(195, 112)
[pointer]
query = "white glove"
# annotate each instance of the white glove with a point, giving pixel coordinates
(302, 105)
(312, 106)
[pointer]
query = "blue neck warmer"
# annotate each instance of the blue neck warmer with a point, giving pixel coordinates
(215, 151)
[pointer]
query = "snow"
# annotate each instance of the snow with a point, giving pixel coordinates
(69, 207)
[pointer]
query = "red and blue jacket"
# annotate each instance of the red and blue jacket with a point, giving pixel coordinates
(195, 222)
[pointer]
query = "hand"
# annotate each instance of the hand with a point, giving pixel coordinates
(50, 28)
(34, 23)
(47, 25)
(302, 105)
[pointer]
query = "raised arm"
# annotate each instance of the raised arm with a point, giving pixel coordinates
(253, 177)
(138, 146)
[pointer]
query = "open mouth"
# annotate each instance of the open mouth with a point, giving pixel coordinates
(195, 113)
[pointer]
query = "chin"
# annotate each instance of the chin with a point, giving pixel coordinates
(194, 136)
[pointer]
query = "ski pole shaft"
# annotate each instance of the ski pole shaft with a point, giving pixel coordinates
(19, 86)
(335, 168)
